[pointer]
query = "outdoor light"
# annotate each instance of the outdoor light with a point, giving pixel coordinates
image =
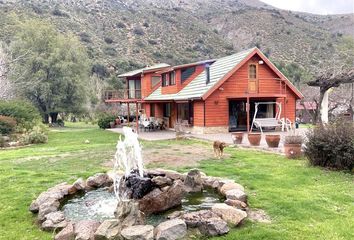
(260, 62)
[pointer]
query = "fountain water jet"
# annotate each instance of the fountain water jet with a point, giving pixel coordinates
(127, 159)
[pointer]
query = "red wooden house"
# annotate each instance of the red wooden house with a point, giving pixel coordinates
(214, 95)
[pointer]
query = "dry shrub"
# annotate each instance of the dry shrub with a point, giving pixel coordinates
(331, 146)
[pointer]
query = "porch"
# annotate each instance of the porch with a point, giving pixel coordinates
(224, 137)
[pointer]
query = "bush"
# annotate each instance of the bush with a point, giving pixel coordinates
(36, 135)
(138, 31)
(104, 121)
(26, 114)
(293, 139)
(331, 146)
(7, 124)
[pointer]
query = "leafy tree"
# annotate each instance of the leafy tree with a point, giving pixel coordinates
(54, 71)
(294, 72)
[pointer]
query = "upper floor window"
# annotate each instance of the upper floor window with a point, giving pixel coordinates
(155, 80)
(164, 79)
(252, 71)
(172, 76)
(186, 73)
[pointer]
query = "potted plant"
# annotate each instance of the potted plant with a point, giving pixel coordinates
(112, 124)
(254, 138)
(272, 140)
(292, 146)
(237, 137)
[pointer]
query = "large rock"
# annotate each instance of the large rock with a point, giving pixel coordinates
(236, 194)
(214, 227)
(228, 213)
(54, 220)
(139, 186)
(53, 194)
(108, 230)
(138, 232)
(52, 205)
(211, 182)
(193, 181)
(128, 213)
(79, 184)
(85, 230)
(236, 203)
(171, 230)
(230, 186)
(66, 233)
(162, 181)
(171, 174)
(195, 219)
(99, 180)
(159, 201)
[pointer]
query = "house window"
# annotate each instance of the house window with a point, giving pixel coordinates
(207, 73)
(134, 88)
(155, 80)
(164, 80)
(186, 73)
(252, 71)
(167, 110)
(172, 78)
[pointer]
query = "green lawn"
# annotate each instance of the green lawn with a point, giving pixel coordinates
(303, 202)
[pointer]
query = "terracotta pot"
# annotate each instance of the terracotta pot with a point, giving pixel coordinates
(237, 137)
(254, 138)
(272, 140)
(292, 150)
(117, 121)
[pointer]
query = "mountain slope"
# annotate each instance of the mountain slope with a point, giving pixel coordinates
(130, 33)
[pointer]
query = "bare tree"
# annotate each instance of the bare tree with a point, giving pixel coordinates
(330, 80)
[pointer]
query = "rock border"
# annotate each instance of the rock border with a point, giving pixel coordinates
(213, 222)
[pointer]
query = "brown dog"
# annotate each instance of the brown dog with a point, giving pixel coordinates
(219, 148)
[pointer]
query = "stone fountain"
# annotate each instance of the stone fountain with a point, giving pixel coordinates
(120, 204)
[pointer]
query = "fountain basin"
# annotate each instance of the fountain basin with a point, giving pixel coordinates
(202, 201)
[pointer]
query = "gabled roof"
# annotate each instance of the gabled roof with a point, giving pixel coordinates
(220, 71)
(210, 61)
(197, 87)
(141, 70)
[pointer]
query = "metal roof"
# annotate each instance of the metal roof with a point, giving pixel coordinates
(141, 70)
(198, 87)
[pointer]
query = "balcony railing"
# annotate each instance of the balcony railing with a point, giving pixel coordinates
(122, 94)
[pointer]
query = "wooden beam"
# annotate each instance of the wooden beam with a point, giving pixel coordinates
(128, 114)
(248, 114)
(136, 118)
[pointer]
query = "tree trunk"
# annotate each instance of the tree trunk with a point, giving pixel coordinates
(54, 116)
(324, 107)
(46, 118)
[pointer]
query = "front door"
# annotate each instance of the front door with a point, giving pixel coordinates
(237, 115)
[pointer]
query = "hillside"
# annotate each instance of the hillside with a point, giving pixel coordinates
(127, 34)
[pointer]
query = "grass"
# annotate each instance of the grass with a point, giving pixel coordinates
(303, 202)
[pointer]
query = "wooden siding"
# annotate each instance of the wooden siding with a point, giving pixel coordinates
(179, 86)
(217, 105)
(198, 113)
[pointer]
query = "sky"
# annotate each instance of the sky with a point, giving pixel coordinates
(314, 6)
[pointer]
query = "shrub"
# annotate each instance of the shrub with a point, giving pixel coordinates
(293, 139)
(7, 124)
(37, 135)
(138, 31)
(26, 114)
(108, 40)
(104, 121)
(331, 146)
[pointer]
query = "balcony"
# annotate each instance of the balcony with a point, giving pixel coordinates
(122, 94)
